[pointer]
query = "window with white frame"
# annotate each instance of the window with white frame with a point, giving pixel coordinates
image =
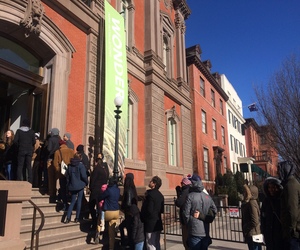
(204, 127)
(173, 136)
(223, 135)
(167, 44)
(129, 137)
(132, 124)
(205, 164)
(172, 142)
(214, 128)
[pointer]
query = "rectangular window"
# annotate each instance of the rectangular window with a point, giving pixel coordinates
(229, 116)
(172, 142)
(204, 129)
(213, 100)
(214, 127)
(223, 135)
(205, 164)
(129, 130)
(202, 87)
(231, 142)
(221, 107)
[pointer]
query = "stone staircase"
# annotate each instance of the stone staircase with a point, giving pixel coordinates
(55, 234)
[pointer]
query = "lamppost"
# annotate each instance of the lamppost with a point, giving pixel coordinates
(118, 102)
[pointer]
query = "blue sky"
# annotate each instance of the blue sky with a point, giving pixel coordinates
(247, 40)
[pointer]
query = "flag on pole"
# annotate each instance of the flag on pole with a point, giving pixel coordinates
(252, 107)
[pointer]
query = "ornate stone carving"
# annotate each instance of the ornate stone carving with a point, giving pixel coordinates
(32, 20)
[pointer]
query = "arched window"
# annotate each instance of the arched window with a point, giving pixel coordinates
(14, 53)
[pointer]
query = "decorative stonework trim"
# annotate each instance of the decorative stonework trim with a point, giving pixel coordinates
(33, 15)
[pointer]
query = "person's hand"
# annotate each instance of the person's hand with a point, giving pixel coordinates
(196, 214)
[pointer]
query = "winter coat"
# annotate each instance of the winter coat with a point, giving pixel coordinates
(290, 201)
(111, 198)
(52, 146)
(180, 201)
(197, 200)
(76, 175)
(270, 216)
(24, 140)
(152, 208)
(250, 213)
(128, 197)
(63, 153)
(99, 177)
(137, 230)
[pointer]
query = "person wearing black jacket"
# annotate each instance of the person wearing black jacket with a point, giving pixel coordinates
(137, 236)
(24, 141)
(182, 193)
(52, 146)
(270, 214)
(99, 177)
(129, 196)
(151, 211)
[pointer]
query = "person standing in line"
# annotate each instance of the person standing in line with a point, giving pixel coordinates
(9, 155)
(137, 236)
(290, 205)
(111, 198)
(62, 154)
(182, 192)
(99, 177)
(270, 214)
(25, 141)
(52, 146)
(85, 159)
(35, 162)
(67, 139)
(129, 195)
(151, 213)
(76, 182)
(197, 206)
(251, 216)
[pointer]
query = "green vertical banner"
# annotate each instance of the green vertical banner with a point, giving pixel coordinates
(115, 85)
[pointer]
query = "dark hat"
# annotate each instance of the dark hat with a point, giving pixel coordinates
(61, 142)
(79, 148)
(130, 176)
(195, 177)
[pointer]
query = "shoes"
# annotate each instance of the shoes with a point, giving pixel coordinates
(76, 220)
(67, 221)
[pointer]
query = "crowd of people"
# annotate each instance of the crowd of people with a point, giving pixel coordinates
(278, 218)
(24, 157)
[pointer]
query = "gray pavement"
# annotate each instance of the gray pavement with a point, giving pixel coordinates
(175, 243)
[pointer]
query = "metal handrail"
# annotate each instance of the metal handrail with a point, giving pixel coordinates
(33, 231)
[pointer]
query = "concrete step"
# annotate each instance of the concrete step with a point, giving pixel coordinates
(66, 240)
(55, 234)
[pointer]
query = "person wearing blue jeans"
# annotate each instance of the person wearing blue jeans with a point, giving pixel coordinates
(76, 181)
(76, 197)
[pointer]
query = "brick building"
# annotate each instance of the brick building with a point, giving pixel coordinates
(209, 124)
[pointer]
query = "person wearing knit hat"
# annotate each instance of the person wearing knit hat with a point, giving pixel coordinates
(186, 181)
(67, 139)
(182, 193)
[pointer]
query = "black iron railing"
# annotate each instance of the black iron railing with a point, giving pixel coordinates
(34, 244)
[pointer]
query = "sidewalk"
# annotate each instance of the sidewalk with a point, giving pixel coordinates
(175, 243)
